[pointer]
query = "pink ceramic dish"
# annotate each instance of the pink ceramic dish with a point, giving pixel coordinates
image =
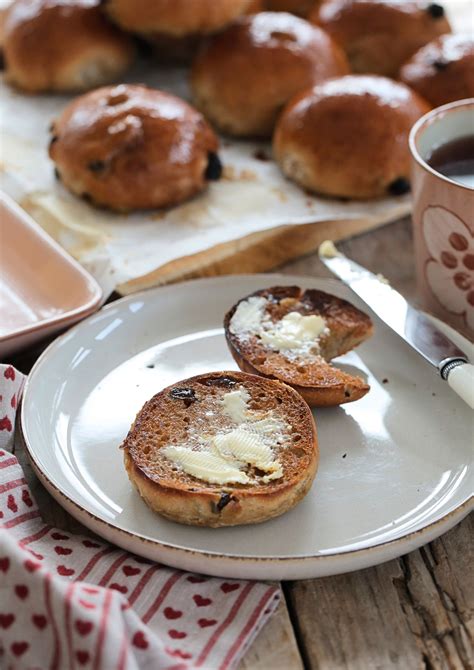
(42, 289)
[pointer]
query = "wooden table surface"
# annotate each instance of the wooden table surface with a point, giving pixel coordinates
(415, 612)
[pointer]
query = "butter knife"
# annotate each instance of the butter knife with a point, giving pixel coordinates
(409, 323)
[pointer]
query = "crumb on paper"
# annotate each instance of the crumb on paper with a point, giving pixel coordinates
(382, 279)
(230, 173)
(328, 250)
(385, 381)
(281, 194)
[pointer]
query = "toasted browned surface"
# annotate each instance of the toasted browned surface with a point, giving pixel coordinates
(443, 70)
(132, 147)
(167, 419)
(379, 35)
(319, 382)
(244, 75)
(50, 45)
(348, 137)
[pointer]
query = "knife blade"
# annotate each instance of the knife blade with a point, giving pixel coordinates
(409, 323)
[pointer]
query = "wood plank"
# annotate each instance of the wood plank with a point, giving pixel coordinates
(414, 612)
(275, 646)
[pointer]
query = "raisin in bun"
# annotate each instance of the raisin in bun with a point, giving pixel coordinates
(292, 335)
(175, 17)
(380, 35)
(442, 71)
(348, 137)
(132, 147)
(51, 45)
(222, 449)
(245, 74)
(298, 7)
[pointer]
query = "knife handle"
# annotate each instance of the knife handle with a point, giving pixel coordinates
(461, 380)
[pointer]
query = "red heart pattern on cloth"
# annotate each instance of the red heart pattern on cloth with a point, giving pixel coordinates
(6, 424)
(139, 640)
(177, 634)
(31, 566)
(204, 623)
(178, 653)
(228, 588)
(22, 591)
(75, 600)
(82, 656)
(119, 587)
(83, 627)
(59, 536)
(39, 620)
(6, 620)
(194, 579)
(170, 613)
(63, 551)
(9, 373)
(19, 648)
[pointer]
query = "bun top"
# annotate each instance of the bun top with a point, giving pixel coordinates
(175, 17)
(443, 70)
(124, 143)
(62, 45)
(352, 134)
(379, 35)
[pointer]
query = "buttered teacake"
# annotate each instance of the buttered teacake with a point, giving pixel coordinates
(292, 335)
(222, 449)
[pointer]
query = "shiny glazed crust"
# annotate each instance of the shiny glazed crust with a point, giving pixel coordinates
(349, 137)
(442, 71)
(320, 383)
(378, 36)
(53, 46)
(175, 17)
(243, 76)
(132, 147)
(186, 499)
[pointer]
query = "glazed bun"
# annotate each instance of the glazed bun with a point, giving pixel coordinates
(132, 147)
(380, 35)
(349, 137)
(246, 74)
(442, 71)
(298, 7)
(51, 45)
(175, 17)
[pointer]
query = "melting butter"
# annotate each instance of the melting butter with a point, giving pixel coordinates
(248, 315)
(235, 404)
(294, 331)
(206, 465)
(221, 458)
(247, 447)
(328, 250)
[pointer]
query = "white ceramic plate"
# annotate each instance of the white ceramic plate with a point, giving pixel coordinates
(395, 469)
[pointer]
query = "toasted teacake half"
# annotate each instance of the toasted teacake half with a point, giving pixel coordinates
(244, 411)
(312, 375)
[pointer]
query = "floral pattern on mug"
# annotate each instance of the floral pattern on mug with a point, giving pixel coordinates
(450, 270)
